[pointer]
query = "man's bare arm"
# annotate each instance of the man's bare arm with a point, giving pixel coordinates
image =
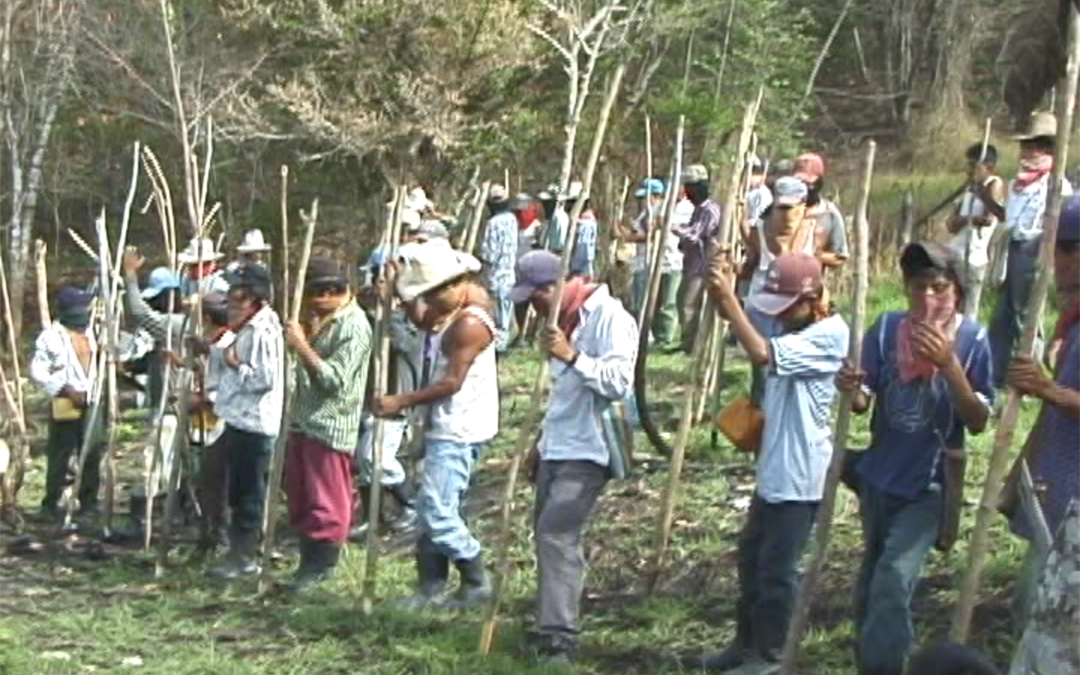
(464, 342)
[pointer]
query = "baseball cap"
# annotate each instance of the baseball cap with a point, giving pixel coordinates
(789, 278)
(809, 167)
(73, 297)
(919, 257)
(534, 270)
(695, 173)
(789, 191)
(160, 280)
(253, 276)
(650, 186)
(323, 271)
(1068, 231)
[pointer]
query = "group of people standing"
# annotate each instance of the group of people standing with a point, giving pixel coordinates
(929, 376)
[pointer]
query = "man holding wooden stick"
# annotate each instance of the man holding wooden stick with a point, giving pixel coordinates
(927, 372)
(1050, 452)
(801, 362)
(581, 443)
(333, 352)
(463, 400)
(695, 240)
(65, 367)
(498, 253)
(250, 399)
(973, 224)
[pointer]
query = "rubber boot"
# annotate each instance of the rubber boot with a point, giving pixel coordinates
(358, 534)
(241, 561)
(739, 652)
(317, 562)
(433, 569)
(475, 588)
(407, 520)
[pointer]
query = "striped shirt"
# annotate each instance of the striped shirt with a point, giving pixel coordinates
(696, 238)
(250, 396)
(584, 255)
(796, 445)
(327, 402)
(499, 252)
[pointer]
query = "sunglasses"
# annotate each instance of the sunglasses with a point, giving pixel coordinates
(326, 290)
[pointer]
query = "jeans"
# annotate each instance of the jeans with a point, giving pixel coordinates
(665, 318)
(1011, 309)
(247, 461)
(504, 321)
(393, 473)
(898, 534)
(770, 546)
(447, 469)
(65, 441)
(566, 493)
(690, 295)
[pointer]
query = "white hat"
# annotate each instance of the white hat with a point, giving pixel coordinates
(253, 242)
(410, 219)
(417, 200)
(428, 265)
(198, 250)
(575, 190)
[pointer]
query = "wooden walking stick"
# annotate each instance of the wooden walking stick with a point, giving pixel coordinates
(277, 462)
(1003, 439)
(42, 274)
(477, 219)
(682, 438)
(655, 254)
(285, 240)
(383, 309)
(526, 432)
(800, 615)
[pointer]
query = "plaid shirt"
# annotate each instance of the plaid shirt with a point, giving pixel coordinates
(499, 252)
(327, 401)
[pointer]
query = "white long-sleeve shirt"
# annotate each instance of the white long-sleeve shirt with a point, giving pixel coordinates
(606, 340)
(250, 397)
(55, 364)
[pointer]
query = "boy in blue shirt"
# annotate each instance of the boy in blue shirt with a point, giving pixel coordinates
(801, 363)
(927, 372)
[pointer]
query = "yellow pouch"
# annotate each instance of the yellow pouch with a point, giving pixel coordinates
(63, 410)
(742, 423)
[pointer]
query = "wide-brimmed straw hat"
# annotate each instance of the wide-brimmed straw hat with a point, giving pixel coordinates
(253, 242)
(1041, 125)
(197, 251)
(425, 266)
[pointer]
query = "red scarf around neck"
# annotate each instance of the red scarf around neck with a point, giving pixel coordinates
(575, 294)
(1032, 170)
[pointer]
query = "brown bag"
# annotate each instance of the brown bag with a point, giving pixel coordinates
(952, 502)
(742, 423)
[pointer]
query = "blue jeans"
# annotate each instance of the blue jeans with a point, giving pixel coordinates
(1010, 312)
(504, 321)
(445, 479)
(247, 462)
(898, 534)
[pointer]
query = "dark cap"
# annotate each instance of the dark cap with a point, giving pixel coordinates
(790, 278)
(535, 270)
(72, 297)
(253, 276)
(920, 257)
(323, 271)
(1068, 231)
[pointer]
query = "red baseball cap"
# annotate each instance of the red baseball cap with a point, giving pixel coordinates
(790, 278)
(809, 167)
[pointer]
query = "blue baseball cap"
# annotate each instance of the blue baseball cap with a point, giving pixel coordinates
(1068, 231)
(73, 297)
(535, 270)
(160, 280)
(650, 186)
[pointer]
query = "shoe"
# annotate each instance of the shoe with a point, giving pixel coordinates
(726, 659)
(240, 560)
(358, 534)
(475, 588)
(406, 522)
(317, 562)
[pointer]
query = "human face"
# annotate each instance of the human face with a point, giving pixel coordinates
(1067, 272)
(932, 296)
(239, 304)
(326, 299)
(798, 316)
(542, 298)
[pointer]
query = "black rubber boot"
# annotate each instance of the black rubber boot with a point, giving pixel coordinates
(241, 560)
(317, 562)
(358, 534)
(407, 519)
(433, 570)
(475, 588)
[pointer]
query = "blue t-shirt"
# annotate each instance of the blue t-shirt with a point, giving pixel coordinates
(913, 423)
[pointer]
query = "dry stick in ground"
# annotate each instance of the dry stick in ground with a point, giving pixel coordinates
(527, 430)
(800, 615)
(13, 477)
(42, 273)
(682, 438)
(277, 462)
(369, 570)
(477, 218)
(1003, 439)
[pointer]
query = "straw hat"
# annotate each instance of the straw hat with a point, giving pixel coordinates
(253, 242)
(1042, 124)
(425, 266)
(198, 250)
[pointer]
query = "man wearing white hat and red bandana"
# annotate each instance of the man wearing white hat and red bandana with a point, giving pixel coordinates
(498, 253)
(462, 397)
(203, 273)
(252, 249)
(592, 353)
(802, 362)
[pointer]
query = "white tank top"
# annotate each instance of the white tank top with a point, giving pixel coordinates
(472, 414)
(757, 282)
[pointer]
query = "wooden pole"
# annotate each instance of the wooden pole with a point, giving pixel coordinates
(382, 373)
(1010, 415)
(657, 239)
(42, 273)
(13, 478)
(477, 218)
(532, 417)
(285, 262)
(800, 615)
(277, 462)
(667, 508)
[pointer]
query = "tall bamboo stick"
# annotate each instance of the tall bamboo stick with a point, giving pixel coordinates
(41, 273)
(667, 508)
(657, 239)
(277, 462)
(477, 219)
(285, 240)
(13, 477)
(382, 373)
(527, 430)
(1010, 415)
(800, 616)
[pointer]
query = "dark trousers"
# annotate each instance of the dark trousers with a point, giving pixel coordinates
(898, 534)
(1010, 312)
(770, 546)
(691, 294)
(247, 461)
(565, 495)
(65, 442)
(212, 486)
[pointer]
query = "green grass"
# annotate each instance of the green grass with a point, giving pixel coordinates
(63, 614)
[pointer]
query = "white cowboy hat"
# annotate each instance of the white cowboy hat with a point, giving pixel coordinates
(198, 250)
(428, 265)
(253, 242)
(1041, 124)
(410, 219)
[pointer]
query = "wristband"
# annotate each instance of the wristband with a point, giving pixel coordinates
(573, 359)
